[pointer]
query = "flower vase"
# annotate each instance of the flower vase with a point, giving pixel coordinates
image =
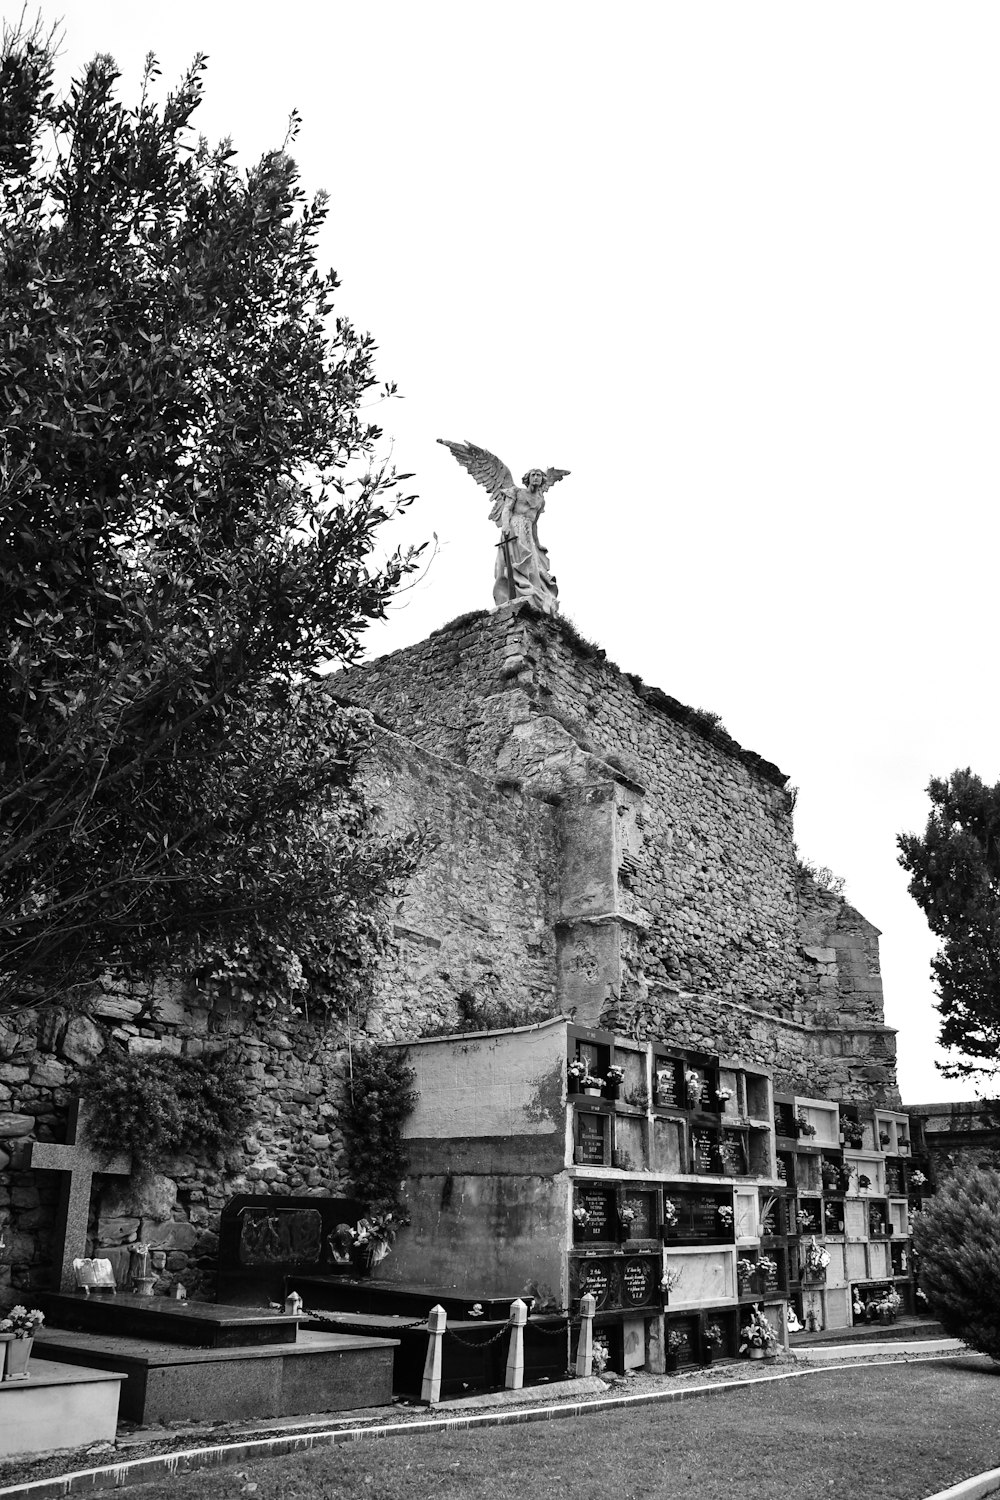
(364, 1260)
(706, 1355)
(670, 1363)
(18, 1354)
(756, 1352)
(612, 1090)
(594, 1093)
(572, 1085)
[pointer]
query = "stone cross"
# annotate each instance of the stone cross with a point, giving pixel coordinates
(79, 1163)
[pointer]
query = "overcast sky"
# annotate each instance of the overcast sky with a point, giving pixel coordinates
(736, 267)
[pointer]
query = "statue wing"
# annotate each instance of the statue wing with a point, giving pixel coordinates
(487, 470)
(553, 476)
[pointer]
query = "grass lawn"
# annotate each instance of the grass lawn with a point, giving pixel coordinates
(896, 1432)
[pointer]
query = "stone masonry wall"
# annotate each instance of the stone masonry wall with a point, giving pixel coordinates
(717, 925)
(474, 930)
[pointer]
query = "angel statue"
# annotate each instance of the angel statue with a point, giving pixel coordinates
(522, 566)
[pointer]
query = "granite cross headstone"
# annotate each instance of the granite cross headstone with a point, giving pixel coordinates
(79, 1163)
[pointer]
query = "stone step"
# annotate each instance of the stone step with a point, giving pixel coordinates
(170, 1383)
(60, 1405)
(200, 1325)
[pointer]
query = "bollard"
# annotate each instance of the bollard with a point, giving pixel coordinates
(585, 1343)
(514, 1378)
(430, 1390)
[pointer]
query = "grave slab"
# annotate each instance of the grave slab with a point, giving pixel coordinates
(60, 1405)
(203, 1325)
(169, 1383)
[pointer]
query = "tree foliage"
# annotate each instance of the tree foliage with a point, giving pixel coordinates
(955, 1237)
(189, 501)
(954, 870)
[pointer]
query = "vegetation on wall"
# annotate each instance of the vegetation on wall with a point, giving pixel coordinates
(378, 1098)
(190, 496)
(955, 1238)
(954, 869)
(158, 1106)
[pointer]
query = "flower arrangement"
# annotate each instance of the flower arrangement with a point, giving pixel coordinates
(581, 1216)
(745, 1268)
(805, 1126)
(693, 1085)
(883, 1137)
(677, 1341)
(626, 1214)
(918, 1178)
(890, 1304)
(767, 1266)
(577, 1069)
(375, 1236)
(803, 1219)
(725, 1215)
(591, 1081)
(713, 1336)
(22, 1323)
(723, 1095)
(757, 1333)
(669, 1214)
(614, 1075)
(817, 1259)
(599, 1355)
(864, 1182)
(669, 1280)
(851, 1131)
(782, 1171)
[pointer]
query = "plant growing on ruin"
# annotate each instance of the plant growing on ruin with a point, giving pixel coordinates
(190, 498)
(158, 1106)
(955, 1238)
(378, 1097)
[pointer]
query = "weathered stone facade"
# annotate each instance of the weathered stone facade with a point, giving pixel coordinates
(680, 908)
(595, 849)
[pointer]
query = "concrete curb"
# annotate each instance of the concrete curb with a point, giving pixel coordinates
(142, 1470)
(978, 1486)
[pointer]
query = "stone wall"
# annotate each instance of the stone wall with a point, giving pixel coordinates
(474, 935)
(594, 848)
(682, 908)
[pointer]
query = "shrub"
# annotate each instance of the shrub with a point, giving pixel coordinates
(159, 1106)
(379, 1096)
(955, 1237)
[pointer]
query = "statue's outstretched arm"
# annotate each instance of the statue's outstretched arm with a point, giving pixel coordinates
(489, 471)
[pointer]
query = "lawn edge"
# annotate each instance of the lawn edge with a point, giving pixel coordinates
(187, 1460)
(976, 1488)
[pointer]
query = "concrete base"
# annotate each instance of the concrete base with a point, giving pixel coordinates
(58, 1406)
(321, 1372)
(832, 1354)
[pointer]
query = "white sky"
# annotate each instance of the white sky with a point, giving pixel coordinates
(736, 267)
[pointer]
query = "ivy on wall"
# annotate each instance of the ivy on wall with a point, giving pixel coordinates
(379, 1097)
(159, 1106)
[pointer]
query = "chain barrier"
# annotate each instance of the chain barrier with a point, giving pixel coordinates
(326, 1317)
(477, 1343)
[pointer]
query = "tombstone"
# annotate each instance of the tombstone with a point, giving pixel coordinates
(264, 1240)
(79, 1163)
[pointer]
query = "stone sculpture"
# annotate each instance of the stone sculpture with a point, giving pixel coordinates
(522, 566)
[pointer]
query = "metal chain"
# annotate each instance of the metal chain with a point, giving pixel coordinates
(326, 1317)
(476, 1343)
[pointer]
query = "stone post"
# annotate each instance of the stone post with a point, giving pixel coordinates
(585, 1343)
(514, 1378)
(430, 1390)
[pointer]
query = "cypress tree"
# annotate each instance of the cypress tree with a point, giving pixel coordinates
(955, 1237)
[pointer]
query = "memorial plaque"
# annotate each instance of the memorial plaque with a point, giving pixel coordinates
(769, 1277)
(596, 1278)
(784, 1120)
(268, 1236)
(643, 1225)
(667, 1096)
(598, 1203)
(591, 1139)
(734, 1154)
(701, 1147)
(640, 1281)
(704, 1218)
(894, 1178)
